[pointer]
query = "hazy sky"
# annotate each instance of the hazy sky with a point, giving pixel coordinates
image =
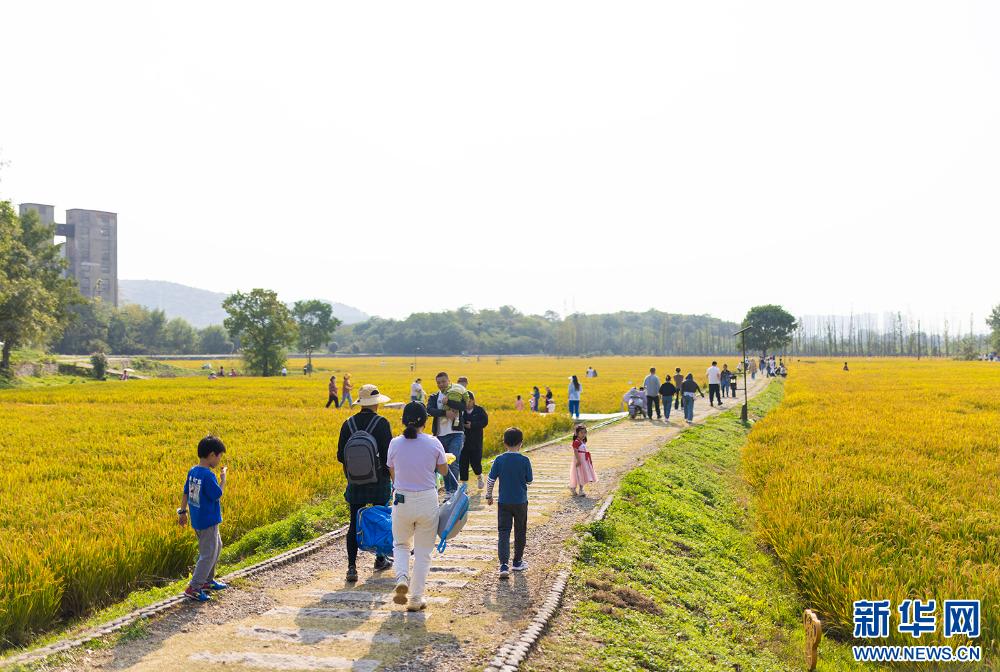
(689, 157)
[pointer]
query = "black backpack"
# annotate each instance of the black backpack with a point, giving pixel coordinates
(361, 454)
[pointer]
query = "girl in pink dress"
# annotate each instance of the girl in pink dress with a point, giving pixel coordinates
(582, 469)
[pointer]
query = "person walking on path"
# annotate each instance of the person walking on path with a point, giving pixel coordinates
(414, 461)
(581, 471)
(347, 388)
(513, 470)
(667, 391)
(447, 427)
(714, 382)
(574, 397)
(333, 393)
(726, 373)
(752, 369)
(416, 391)
(678, 380)
(476, 419)
(688, 388)
(358, 496)
(652, 386)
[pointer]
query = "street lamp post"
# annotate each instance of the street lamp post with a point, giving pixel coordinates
(309, 353)
(479, 340)
(743, 414)
(499, 356)
(414, 359)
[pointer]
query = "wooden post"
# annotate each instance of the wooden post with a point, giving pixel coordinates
(814, 633)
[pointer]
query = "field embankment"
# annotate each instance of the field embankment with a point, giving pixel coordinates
(673, 578)
(881, 483)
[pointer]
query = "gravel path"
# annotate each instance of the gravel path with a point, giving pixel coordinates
(303, 616)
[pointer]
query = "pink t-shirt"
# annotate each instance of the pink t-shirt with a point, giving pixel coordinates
(415, 462)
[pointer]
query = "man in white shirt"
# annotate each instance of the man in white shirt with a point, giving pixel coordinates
(652, 386)
(714, 378)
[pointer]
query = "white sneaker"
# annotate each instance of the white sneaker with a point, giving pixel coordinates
(519, 566)
(482, 483)
(402, 588)
(416, 604)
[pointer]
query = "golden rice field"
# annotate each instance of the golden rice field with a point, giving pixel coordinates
(497, 386)
(882, 483)
(91, 474)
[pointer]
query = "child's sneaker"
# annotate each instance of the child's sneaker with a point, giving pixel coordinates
(519, 566)
(482, 483)
(382, 563)
(214, 585)
(402, 588)
(504, 572)
(416, 604)
(199, 595)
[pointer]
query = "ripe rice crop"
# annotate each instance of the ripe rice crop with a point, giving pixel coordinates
(92, 473)
(497, 386)
(881, 483)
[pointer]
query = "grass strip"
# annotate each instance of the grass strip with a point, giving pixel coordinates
(674, 579)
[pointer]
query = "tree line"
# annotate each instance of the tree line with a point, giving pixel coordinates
(901, 336)
(508, 331)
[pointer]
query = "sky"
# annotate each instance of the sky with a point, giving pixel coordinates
(567, 156)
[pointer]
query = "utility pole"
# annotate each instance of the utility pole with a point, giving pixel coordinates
(746, 400)
(479, 341)
(918, 340)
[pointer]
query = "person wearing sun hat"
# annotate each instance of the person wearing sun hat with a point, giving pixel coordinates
(360, 496)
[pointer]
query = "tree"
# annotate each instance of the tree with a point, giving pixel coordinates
(265, 328)
(34, 299)
(316, 323)
(994, 323)
(180, 337)
(772, 328)
(214, 341)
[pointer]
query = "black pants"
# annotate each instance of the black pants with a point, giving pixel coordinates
(352, 535)
(713, 388)
(651, 401)
(677, 399)
(333, 400)
(508, 515)
(469, 457)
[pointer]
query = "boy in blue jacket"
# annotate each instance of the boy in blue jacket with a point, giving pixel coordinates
(201, 495)
(513, 470)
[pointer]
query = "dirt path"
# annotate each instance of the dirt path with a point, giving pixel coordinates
(305, 617)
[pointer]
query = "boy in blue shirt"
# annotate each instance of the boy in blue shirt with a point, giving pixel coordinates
(513, 470)
(201, 495)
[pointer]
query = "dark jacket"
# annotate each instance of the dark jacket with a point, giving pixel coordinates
(691, 386)
(379, 491)
(478, 419)
(667, 389)
(437, 413)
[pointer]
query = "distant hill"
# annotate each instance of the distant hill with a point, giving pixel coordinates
(200, 307)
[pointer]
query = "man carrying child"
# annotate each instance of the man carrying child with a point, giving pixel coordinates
(513, 470)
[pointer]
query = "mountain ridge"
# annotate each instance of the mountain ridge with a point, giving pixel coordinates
(201, 307)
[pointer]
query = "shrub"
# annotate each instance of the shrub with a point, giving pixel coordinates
(100, 363)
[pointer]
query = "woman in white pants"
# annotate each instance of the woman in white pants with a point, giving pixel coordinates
(414, 461)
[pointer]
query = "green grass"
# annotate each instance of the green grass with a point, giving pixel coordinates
(678, 556)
